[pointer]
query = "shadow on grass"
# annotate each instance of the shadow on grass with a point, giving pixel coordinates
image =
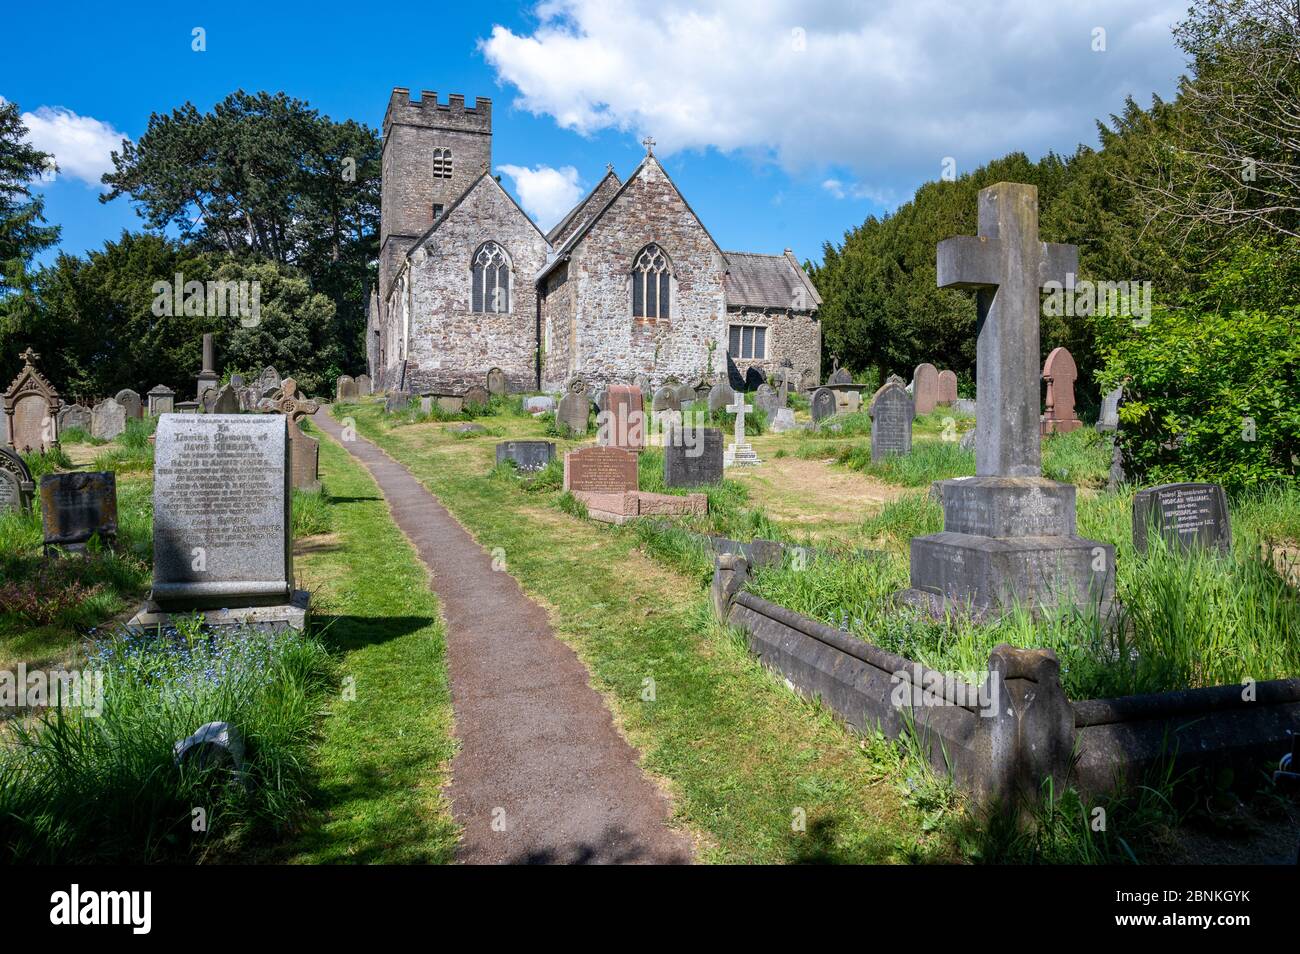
(346, 633)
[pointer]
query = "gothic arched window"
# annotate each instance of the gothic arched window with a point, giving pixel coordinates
(442, 163)
(490, 280)
(651, 283)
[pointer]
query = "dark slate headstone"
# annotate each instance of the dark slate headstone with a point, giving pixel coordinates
(1185, 515)
(76, 507)
(754, 378)
(527, 455)
(823, 404)
(693, 457)
(891, 422)
(16, 486)
(840, 376)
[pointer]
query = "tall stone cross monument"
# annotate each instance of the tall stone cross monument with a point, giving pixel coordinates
(1009, 534)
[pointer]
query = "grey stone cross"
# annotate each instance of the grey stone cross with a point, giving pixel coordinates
(649, 144)
(1006, 264)
(740, 409)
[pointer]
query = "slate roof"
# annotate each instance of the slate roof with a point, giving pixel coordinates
(768, 281)
(581, 208)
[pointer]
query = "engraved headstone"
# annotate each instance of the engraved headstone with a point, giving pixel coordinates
(222, 521)
(720, 395)
(574, 407)
(693, 457)
(130, 401)
(304, 456)
(268, 380)
(622, 422)
(666, 400)
(839, 375)
(345, 389)
(497, 382)
(947, 394)
(925, 388)
(107, 420)
(74, 416)
(767, 400)
(1185, 515)
(1060, 372)
(78, 506)
(16, 486)
(685, 394)
(891, 422)
(783, 420)
(1009, 535)
(824, 404)
(477, 396)
(397, 401)
(527, 455)
(600, 470)
(226, 401)
(31, 409)
(364, 386)
(161, 400)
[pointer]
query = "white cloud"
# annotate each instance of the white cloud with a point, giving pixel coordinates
(546, 193)
(82, 145)
(883, 91)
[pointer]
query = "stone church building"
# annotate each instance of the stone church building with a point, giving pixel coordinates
(630, 282)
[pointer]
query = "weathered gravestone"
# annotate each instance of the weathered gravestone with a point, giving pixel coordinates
(622, 420)
(685, 394)
(702, 387)
(268, 380)
(227, 400)
(1108, 419)
(345, 389)
(891, 422)
(720, 395)
(76, 507)
(222, 532)
(304, 450)
(16, 486)
(824, 404)
(925, 388)
(839, 375)
(1009, 534)
(1060, 372)
(477, 396)
(397, 401)
(208, 377)
(666, 399)
(527, 455)
(947, 388)
(74, 416)
(364, 386)
(767, 400)
(1186, 515)
(740, 453)
(693, 457)
(130, 401)
(574, 407)
(31, 409)
(601, 470)
(497, 383)
(162, 400)
(782, 421)
(107, 420)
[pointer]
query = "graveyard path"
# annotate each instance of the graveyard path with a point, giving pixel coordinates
(539, 754)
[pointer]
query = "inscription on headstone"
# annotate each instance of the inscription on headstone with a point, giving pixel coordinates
(824, 404)
(696, 462)
(78, 506)
(891, 422)
(129, 400)
(16, 486)
(574, 407)
(527, 455)
(1185, 515)
(600, 470)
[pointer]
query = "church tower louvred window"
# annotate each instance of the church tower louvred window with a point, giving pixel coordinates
(490, 280)
(442, 163)
(651, 284)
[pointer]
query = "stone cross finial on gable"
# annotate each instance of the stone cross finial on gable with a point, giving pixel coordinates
(649, 144)
(29, 356)
(1006, 264)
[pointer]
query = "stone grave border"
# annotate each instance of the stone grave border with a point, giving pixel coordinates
(1092, 744)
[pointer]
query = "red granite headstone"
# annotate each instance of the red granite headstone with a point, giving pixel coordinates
(602, 470)
(622, 418)
(1060, 372)
(947, 388)
(925, 388)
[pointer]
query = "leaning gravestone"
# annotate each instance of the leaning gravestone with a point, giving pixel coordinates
(162, 400)
(947, 388)
(222, 532)
(925, 388)
(824, 404)
(31, 409)
(130, 401)
(601, 470)
(1009, 534)
(574, 407)
(767, 400)
(693, 457)
(891, 422)
(527, 455)
(107, 420)
(74, 416)
(16, 486)
(76, 507)
(1060, 372)
(720, 395)
(497, 382)
(1185, 515)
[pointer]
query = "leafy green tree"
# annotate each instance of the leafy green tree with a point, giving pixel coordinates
(22, 214)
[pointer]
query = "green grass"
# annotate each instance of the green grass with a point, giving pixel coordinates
(79, 435)
(384, 753)
(738, 752)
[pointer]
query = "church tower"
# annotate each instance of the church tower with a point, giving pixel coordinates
(432, 153)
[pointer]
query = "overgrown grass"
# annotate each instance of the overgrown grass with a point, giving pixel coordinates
(78, 786)
(79, 435)
(53, 461)
(311, 512)
(133, 452)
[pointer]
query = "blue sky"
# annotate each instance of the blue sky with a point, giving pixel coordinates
(783, 122)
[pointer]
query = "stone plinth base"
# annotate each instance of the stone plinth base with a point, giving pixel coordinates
(619, 508)
(275, 618)
(740, 455)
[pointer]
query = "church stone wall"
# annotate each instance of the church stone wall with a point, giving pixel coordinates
(450, 346)
(611, 345)
(557, 330)
(796, 335)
